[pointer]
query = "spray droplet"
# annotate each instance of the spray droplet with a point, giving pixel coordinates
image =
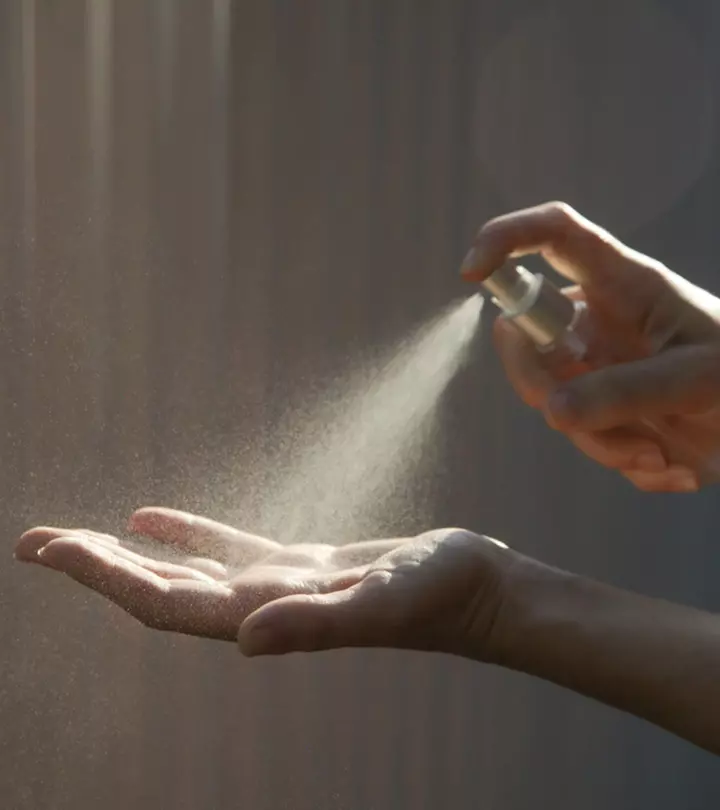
(349, 464)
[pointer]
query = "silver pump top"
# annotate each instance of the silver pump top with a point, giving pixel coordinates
(532, 302)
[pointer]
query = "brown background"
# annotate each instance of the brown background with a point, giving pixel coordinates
(205, 205)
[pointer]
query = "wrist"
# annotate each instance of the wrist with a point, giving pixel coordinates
(532, 595)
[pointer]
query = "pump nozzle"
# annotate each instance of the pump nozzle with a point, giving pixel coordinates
(532, 302)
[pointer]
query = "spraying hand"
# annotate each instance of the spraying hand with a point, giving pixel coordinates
(663, 331)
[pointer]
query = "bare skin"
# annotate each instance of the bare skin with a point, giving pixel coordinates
(219, 590)
(453, 591)
(447, 591)
(637, 302)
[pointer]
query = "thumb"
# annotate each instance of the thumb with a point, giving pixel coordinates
(683, 380)
(354, 617)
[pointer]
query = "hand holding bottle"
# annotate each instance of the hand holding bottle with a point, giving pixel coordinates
(645, 398)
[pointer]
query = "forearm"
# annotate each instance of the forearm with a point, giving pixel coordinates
(651, 658)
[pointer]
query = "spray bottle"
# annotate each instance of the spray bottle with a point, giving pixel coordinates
(562, 329)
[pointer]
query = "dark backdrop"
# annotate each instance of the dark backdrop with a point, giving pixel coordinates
(203, 206)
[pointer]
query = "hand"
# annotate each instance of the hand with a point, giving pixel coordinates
(438, 591)
(638, 302)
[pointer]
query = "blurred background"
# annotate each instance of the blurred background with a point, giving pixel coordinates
(205, 206)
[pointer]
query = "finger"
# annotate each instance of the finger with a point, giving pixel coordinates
(577, 248)
(524, 366)
(196, 608)
(621, 449)
(355, 617)
(683, 380)
(213, 569)
(522, 363)
(199, 535)
(33, 540)
(166, 570)
(675, 479)
(106, 539)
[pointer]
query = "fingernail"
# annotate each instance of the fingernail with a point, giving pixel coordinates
(469, 262)
(651, 461)
(44, 558)
(561, 407)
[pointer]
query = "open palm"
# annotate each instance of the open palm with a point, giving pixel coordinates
(426, 592)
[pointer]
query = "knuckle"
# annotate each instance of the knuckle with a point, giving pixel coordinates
(531, 396)
(641, 482)
(561, 214)
(456, 536)
(378, 578)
